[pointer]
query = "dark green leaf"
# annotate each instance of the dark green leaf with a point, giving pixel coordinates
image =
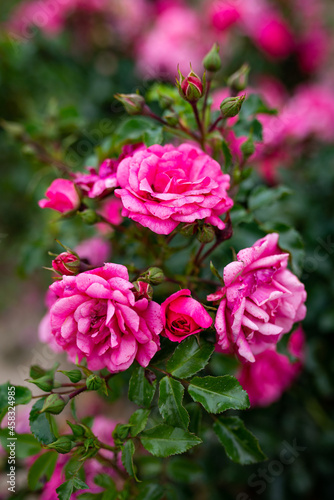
(94, 496)
(262, 196)
(65, 490)
(138, 421)
(22, 395)
(74, 375)
(215, 272)
(227, 155)
(189, 358)
(105, 481)
(195, 412)
(183, 470)
(79, 484)
(170, 403)
(25, 444)
(239, 215)
(239, 443)
(42, 468)
(164, 440)
(36, 372)
(150, 491)
(218, 394)
(127, 458)
(40, 425)
(141, 390)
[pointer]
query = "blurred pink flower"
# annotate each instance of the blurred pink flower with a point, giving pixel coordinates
(163, 186)
(272, 373)
(183, 316)
(94, 251)
(223, 14)
(62, 196)
(260, 302)
(96, 315)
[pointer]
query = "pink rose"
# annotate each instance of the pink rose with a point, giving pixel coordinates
(96, 315)
(183, 316)
(223, 15)
(98, 184)
(163, 186)
(66, 263)
(272, 373)
(260, 302)
(62, 195)
(94, 251)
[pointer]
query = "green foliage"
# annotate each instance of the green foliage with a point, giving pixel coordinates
(141, 390)
(189, 358)
(41, 424)
(239, 443)
(218, 394)
(26, 445)
(170, 403)
(43, 467)
(21, 396)
(138, 421)
(127, 458)
(164, 440)
(74, 375)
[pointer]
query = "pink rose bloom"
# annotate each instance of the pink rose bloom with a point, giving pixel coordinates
(163, 186)
(224, 14)
(66, 263)
(62, 196)
(98, 184)
(96, 315)
(272, 373)
(260, 301)
(94, 251)
(111, 209)
(183, 316)
(44, 327)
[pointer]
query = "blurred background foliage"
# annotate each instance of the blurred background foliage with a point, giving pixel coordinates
(63, 98)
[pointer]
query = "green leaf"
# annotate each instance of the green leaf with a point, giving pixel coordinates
(95, 496)
(40, 424)
(215, 272)
(183, 470)
(25, 444)
(41, 468)
(141, 390)
(164, 440)
(65, 490)
(127, 458)
(79, 484)
(189, 358)
(74, 375)
(263, 196)
(240, 215)
(227, 154)
(240, 444)
(170, 403)
(22, 395)
(36, 372)
(105, 481)
(218, 394)
(138, 421)
(150, 491)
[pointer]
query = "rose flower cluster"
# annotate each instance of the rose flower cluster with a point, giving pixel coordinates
(100, 315)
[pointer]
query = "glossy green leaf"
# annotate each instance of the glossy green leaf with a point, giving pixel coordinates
(40, 425)
(165, 440)
(217, 394)
(263, 196)
(141, 390)
(41, 468)
(189, 358)
(65, 490)
(127, 458)
(74, 375)
(138, 421)
(150, 491)
(240, 444)
(22, 395)
(25, 444)
(170, 403)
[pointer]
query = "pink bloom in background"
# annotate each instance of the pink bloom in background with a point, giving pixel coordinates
(111, 209)
(260, 302)
(223, 14)
(62, 196)
(96, 315)
(272, 373)
(174, 39)
(183, 316)
(44, 327)
(163, 186)
(98, 184)
(94, 251)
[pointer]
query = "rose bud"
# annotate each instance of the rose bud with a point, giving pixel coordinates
(191, 87)
(133, 103)
(143, 290)
(153, 275)
(183, 316)
(239, 80)
(66, 263)
(231, 106)
(62, 195)
(212, 61)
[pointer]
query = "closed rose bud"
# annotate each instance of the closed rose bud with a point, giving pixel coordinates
(171, 118)
(231, 106)
(66, 263)
(206, 233)
(239, 80)
(54, 404)
(143, 290)
(133, 103)
(89, 216)
(63, 445)
(212, 61)
(191, 87)
(188, 229)
(154, 275)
